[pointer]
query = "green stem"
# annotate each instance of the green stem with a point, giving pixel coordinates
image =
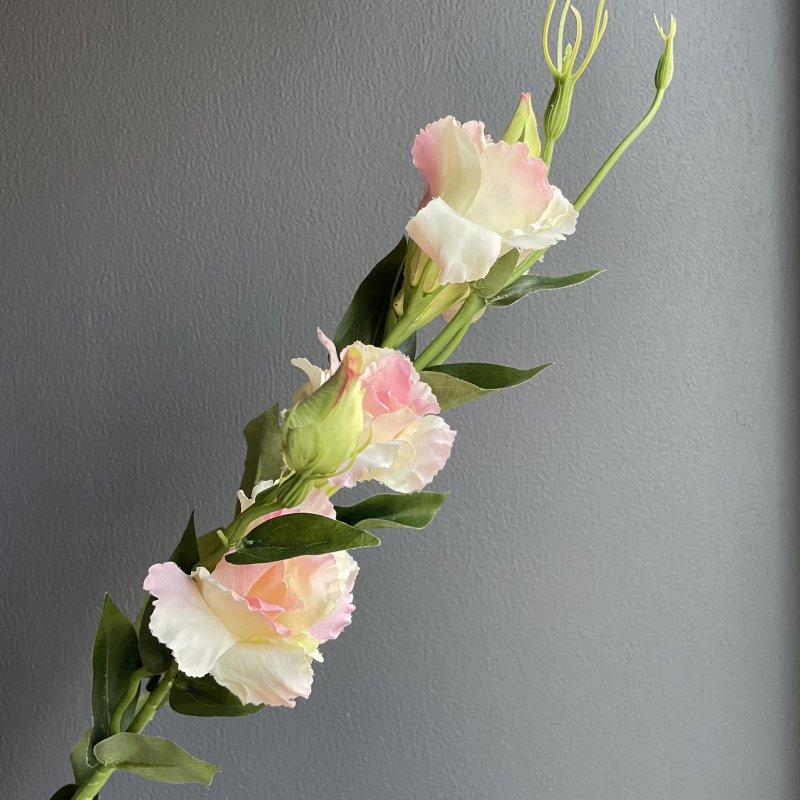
(91, 787)
(127, 699)
(157, 699)
(618, 151)
(450, 348)
(99, 776)
(399, 333)
(547, 151)
(462, 319)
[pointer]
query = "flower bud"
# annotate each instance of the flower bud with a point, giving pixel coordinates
(556, 114)
(523, 127)
(666, 64)
(322, 432)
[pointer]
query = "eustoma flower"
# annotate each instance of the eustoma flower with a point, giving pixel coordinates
(255, 628)
(401, 441)
(482, 199)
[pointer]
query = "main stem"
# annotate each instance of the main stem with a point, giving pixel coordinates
(98, 778)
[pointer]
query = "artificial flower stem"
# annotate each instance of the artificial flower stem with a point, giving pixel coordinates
(461, 320)
(547, 152)
(157, 699)
(450, 348)
(127, 699)
(609, 163)
(98, 778)
(91, 787)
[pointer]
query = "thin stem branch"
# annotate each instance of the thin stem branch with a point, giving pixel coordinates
(608, 164)
(99, 776)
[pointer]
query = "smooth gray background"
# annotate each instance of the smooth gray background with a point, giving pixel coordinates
(607, 607)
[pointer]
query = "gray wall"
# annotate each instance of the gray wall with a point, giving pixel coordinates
(607, 606)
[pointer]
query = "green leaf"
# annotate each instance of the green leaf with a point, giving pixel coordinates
(537, 283)
(153, 758)
(365, 318)
(498, 275)
(155, 655)
(115, 657)
(186, 554)
(264, 459)
(65, 792)
(79, 757)
(413, 510)
(456, 384)
(299, 535)
(204, 697)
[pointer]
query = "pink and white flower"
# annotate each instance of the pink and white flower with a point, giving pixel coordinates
(255, 628)
(404, 443)
(482, 199)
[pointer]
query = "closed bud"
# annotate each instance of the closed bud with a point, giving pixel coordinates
(524, 128)
(666, 64)
(323, 431)
(556, 114)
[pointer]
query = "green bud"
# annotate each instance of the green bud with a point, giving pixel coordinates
(556, 114)
(666, 64)
(323, 430)
(523, 127)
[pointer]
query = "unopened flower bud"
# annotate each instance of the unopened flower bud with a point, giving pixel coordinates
(666, 64)
(556, 114)
(323, 431)
(523, 127)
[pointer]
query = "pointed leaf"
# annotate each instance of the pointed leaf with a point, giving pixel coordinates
(115, 657)
(537, 283)
(365, 318)
(79, 757)
(498, 275)
(204, 697)
(413, 510)
(299, 535)
(186, 554)
(456, 384)
(65, 792)
(153, 758)
(264, 459)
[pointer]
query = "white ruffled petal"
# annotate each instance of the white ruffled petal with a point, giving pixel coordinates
(183, 621)
(556, 223)
(265, 673)
(463, 250)
(432, 442)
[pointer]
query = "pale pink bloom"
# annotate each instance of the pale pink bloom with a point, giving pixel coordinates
(404, 443)
(255, 628)
(482, 199)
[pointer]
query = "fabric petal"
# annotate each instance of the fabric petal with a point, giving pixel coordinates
(266, 674)
(246, 621)
(330, 627)
(556, 223)
(432, 442)
(183, 621)
(463, 250)
(447, 157)
(514, 190)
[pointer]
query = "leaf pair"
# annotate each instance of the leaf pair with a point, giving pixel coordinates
(295, 535)
(149, 757)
